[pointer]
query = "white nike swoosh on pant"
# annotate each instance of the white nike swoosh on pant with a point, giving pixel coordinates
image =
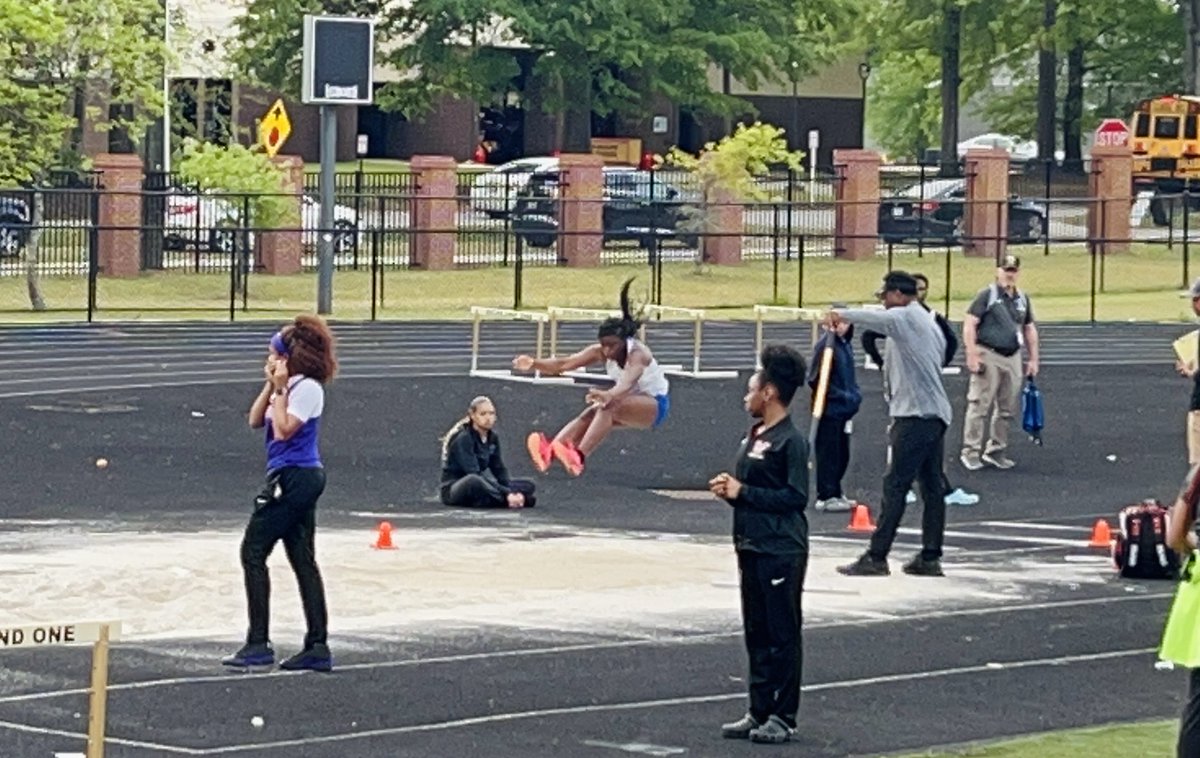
(777, 582)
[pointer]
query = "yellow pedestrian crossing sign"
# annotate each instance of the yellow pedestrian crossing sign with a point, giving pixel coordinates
(274, 128)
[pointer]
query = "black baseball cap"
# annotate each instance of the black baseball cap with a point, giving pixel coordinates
(898, 281)
(1010, 263)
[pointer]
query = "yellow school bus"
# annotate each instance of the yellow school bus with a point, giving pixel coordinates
(1166, 148)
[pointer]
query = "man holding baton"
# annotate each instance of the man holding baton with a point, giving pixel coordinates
(920, 412)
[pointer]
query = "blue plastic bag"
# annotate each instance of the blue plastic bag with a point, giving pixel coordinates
(1033, 418)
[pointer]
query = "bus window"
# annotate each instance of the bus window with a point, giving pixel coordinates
(1189, 128)
(1166, 127)
(1141, 127)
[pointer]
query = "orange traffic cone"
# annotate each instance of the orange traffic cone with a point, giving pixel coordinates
(383, 541)
(1101, 535)
(860, 519)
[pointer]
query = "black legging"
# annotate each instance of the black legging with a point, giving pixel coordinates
(475, 491)
(290, 517)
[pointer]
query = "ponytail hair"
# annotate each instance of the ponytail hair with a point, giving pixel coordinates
(628, 323)
(461, 424)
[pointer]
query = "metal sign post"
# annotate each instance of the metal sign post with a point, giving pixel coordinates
(338, 69)
(814, 141)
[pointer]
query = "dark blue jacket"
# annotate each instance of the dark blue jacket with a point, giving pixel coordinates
(843, 398)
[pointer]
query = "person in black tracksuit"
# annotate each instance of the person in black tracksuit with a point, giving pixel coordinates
(831, 448)
(473, 471)
(870, 345)
(768, 492)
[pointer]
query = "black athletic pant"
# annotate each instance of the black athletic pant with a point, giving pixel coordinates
(918, 446)
(1189, 725)
(475, 491)
(832, 450)
(286, 510)
(772, 589)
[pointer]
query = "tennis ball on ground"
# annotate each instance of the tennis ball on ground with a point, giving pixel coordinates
(257, 722)
(101, 463)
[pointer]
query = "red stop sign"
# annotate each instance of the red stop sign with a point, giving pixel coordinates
(1112, 132)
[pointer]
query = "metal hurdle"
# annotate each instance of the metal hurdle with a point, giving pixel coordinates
(697, 317)
(557, 314)
(479, 313)
(813, 315)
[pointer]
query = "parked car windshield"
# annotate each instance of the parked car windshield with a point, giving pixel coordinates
(935, 188)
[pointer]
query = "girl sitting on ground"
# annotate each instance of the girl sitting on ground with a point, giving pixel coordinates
(473, 471)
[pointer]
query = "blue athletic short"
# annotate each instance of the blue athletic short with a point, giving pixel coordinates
(664, 409)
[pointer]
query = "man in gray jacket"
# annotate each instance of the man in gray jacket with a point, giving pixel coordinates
(920, 412)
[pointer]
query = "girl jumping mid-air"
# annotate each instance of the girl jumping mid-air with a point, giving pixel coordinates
(638, 400)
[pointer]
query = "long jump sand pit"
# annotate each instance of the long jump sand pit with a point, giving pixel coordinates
(188, 585)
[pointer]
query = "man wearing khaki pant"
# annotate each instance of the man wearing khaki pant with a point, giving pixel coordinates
(998, 322)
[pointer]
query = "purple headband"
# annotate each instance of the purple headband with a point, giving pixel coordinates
(278, 345)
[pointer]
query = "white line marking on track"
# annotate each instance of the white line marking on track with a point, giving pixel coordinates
(1081, 542)
(1035, 526)
(182, 381)
(16, 727)
(983, 668)
(641, 748)
(594, 646)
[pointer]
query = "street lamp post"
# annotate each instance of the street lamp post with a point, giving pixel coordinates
(166, 118)
(795, 128)
(864, 73)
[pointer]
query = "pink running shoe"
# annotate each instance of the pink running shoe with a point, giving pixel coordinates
(569, 456)
(540, 451)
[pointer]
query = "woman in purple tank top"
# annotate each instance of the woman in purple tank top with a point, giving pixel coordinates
(300, 362)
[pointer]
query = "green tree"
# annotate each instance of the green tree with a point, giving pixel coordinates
(244, 175)
(599, 56)
(1100, 55)
(51, 54)
(728, 172)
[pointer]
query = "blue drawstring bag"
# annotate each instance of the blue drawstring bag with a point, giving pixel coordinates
(1033, 418)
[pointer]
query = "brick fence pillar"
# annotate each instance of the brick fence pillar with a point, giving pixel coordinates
(279, 251)
(434, 212)
(856, 214)
(120, 221)
(985, 213)
(1110, 184)
(581, 209)
(724, 224)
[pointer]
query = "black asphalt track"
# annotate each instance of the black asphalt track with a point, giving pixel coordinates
(181, 457)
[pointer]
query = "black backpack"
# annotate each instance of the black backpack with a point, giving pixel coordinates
(1140, 549)
(951, 338)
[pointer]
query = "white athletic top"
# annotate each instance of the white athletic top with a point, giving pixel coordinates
(652, 382)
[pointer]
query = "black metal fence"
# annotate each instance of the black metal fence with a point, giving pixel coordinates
(204, 253)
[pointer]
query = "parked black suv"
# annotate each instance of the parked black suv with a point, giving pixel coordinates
(934, 211)
(637, 206)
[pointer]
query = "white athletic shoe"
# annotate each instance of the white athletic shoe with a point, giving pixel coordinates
(961, 497)
(834, 505)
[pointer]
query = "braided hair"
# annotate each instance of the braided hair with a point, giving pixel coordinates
(628, 323)
(461, 424)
